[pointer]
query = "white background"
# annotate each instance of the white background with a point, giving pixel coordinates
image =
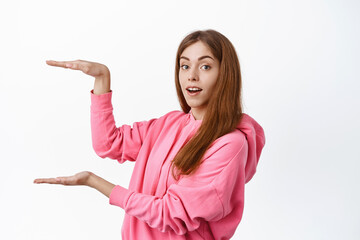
(298, 62)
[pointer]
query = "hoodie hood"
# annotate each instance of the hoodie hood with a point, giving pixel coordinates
(256, 140)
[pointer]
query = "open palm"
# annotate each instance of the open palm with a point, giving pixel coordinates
(90, 68)
(80, 178)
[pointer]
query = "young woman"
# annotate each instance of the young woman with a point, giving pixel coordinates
(191, 166)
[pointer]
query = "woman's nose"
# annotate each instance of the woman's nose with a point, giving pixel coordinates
(193, 75)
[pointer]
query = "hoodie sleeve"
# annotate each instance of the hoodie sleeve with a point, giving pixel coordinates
(210, 194)
(120, 143)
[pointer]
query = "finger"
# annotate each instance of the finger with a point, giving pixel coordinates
(58, 63)
(70, 180)
(79, 65)
(65, 64)
(47, 180)
(61, 180)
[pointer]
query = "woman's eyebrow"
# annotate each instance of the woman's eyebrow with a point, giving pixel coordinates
(200, 58)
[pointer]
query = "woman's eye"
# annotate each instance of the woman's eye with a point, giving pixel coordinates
(206, 67)
(184, 66)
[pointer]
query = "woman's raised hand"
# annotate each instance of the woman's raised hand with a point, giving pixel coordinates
(90, 68)
(97, 70)
(81, 178)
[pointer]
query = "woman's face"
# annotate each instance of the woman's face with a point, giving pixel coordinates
(198, 73)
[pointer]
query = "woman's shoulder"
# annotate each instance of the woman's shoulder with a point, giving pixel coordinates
(235, 139)
(228, 145)
(226, 151)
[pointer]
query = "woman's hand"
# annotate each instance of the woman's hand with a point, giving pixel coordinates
(81, 178)
(90, 68)
(97, 70)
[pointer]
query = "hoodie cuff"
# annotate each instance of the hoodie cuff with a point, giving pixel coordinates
(101, 102)
(119, 196)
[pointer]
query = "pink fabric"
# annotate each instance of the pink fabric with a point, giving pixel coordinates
(206, 205)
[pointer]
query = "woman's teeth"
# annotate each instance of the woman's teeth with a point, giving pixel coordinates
(194, 89)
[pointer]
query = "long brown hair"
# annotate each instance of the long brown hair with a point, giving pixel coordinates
(224, 109)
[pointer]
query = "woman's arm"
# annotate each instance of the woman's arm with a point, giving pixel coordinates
(100, 184)
(85, 178)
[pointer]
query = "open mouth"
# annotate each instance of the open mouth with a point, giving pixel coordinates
(193, 90)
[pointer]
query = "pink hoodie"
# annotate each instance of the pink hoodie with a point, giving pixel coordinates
(206, 205)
